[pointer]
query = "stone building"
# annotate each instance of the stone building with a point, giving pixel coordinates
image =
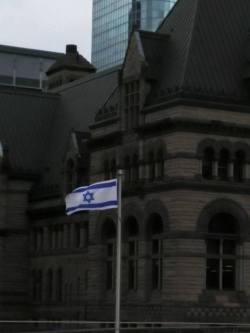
(176, 119)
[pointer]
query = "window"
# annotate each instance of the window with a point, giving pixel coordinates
(239, 164)
(132, 104)
(207, 163)
(59, 285)
(156, 229)
(109, 238)
(127, 168)
(70, 167)
(151, 166)
(106, 169)
(223, 164)
(132, 252)
(113, 168)
(77, 235)
(135, 167)
(49, 285)
(221, 252)
(160, 164)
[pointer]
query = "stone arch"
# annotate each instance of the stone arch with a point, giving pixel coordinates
(133, 210)
(206, 143)
(242, 146)
(152, 207)
(225, 145)
(155, 146)
(227, 206)
(100, 223)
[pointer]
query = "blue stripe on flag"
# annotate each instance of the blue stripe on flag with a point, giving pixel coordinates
(96, 186)
(93, 206)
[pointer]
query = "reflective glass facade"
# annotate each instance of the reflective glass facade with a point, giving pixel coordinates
(113, 21)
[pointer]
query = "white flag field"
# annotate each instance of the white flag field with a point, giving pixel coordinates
(97, 196)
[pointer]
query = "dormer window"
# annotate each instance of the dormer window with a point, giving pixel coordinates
(132, 104)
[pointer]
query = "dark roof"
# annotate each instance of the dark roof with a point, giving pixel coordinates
(80, 101)
(26, 120)
(29, 52)
(71, 60)
(206, 51)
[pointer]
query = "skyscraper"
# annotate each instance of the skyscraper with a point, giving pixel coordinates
(113, 21)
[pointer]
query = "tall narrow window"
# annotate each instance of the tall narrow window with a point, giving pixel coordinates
(207, 163)
(132, 252)
(70, 168)
(151, 166)
(106, 169)
(59, 285)
(239, 163)
(77, 235)
(132, 104)
(160, 164)
(156, 227)
(223, 164)
(113, 168)
(109, 233)
(49, 285)
(135, 167)
(127, 167)
(221, 252)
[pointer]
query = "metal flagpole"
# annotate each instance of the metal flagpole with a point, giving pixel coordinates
(118, 255)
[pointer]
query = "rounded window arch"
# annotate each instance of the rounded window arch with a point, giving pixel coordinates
(207, 163)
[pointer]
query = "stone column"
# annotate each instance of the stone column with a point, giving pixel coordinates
(231, 170)
(215, 170)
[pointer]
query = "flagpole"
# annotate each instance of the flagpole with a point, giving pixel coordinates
(118, 255)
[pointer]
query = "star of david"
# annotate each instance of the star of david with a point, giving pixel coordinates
(88, 196)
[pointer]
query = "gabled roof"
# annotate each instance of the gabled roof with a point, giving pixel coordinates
(205, 54)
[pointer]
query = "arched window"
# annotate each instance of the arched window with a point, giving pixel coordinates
(221, 252)
(160, 164)
(49, 285)
(132, 231)
(135, 167)
(239, 163)
(109, 235)
(223, 164)
(70, 170)
(127, 167)
(207, 163)
(151, 166)
(156, 230)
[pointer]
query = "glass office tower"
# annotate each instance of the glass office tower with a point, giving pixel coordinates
(112, 22)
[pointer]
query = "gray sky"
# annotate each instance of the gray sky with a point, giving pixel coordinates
(46, 24)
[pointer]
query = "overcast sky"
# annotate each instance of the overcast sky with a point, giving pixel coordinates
(46, 24)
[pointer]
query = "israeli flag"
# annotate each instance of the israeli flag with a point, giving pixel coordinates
(102, 195)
